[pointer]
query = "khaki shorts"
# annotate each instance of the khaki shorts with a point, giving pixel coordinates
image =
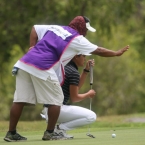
(32, 90)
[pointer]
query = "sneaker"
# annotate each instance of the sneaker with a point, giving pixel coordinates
(16, 137)
(52, 136)
(62, 132)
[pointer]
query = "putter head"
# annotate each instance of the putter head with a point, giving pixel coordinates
(90, 135)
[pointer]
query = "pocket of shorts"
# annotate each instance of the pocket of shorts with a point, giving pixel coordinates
(57, 87)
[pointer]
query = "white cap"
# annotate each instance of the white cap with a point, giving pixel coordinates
(88, 54)
(90, 28)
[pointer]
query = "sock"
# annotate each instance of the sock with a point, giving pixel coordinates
(58, 127)
(13, 132)
(50, 131)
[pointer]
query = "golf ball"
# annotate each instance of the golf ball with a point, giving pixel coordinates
(113, 135)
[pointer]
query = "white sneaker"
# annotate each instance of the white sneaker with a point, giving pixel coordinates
(62, 132)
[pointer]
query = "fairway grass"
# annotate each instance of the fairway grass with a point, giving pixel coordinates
(127, 133)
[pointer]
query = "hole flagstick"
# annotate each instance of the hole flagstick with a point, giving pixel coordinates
(91, 85)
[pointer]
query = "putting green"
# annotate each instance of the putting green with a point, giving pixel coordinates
(124, 136)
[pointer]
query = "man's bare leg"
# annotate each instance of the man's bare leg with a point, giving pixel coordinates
(15, 114)
(53, 114)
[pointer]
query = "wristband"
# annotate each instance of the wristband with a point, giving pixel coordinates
(85, 70)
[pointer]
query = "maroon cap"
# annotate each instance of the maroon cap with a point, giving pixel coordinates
(81, 24)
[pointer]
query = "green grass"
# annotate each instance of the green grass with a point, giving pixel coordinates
(127, 133)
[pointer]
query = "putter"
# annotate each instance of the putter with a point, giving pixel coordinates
(91, 84)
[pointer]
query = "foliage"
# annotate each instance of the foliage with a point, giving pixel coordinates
(119, 81)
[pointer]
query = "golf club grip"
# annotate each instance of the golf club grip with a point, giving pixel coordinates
(91, 75)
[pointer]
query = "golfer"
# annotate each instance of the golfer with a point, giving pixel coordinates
(41, 70)
(72, 116)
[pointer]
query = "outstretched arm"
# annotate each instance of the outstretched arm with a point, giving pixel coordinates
(109, 53)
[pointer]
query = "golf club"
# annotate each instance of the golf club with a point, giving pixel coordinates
(91, 84)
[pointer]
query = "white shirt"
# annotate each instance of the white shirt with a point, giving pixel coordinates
(78, 44)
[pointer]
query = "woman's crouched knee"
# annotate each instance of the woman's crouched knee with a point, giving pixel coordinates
(92, 117)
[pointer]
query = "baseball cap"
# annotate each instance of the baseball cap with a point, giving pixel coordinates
(88, 26)
(88, 54)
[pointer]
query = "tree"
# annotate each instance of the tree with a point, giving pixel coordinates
(118, 23)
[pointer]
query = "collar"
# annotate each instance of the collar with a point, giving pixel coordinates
(73, 64)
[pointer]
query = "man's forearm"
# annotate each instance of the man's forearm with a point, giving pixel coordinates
(110, 53)
(104, 52)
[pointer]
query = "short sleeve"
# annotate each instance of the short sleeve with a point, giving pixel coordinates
(74, 78)
(41, 30)
(83, 45)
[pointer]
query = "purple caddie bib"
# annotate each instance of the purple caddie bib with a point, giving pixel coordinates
(50, 48)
